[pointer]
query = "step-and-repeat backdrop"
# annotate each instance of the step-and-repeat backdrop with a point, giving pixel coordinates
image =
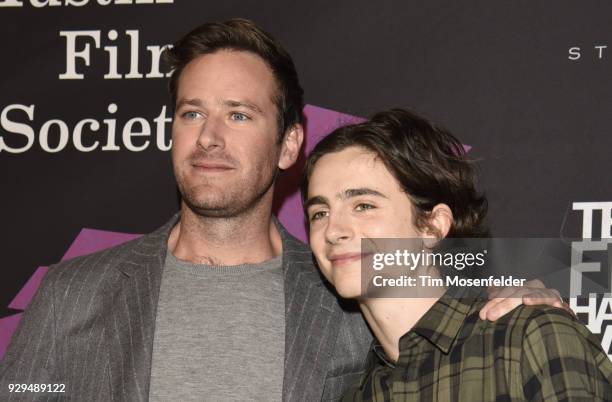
(85, 120)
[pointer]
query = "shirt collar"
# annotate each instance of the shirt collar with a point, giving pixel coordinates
(440, 324)
(443, 321)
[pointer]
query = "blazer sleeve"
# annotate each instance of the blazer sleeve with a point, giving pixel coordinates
(30, 357)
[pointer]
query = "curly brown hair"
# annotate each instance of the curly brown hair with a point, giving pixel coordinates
(429, 163)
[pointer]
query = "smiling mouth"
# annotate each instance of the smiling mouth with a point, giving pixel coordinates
(347, 258)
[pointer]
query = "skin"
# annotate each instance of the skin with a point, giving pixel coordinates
(352, 196)
(225, 156)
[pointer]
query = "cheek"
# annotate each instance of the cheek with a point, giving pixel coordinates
(394, 225)
(175, 153)
(180, 145)
(373, 227)
(317, 246)
(326, 270)
(405, 228)
(258, 156)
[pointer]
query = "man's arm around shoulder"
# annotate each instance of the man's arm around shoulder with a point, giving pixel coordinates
(562, 360)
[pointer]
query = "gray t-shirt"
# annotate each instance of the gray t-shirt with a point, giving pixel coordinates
(219, 333)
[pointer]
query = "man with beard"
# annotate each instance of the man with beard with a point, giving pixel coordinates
(221, 303)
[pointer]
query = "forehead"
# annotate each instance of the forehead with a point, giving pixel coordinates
(353, 167)
(227, 73)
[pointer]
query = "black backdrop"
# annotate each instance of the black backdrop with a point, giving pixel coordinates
(525, 83)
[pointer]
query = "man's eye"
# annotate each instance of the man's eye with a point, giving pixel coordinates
(239, 116)
(318, 215)
(191, 115)
(363, 207)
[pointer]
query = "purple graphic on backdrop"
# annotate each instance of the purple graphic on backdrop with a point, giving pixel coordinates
(86, 242)
(320, 122)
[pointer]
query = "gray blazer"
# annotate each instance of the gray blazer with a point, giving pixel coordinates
(91, 325)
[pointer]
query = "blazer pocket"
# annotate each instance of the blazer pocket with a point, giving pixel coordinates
(336, 387)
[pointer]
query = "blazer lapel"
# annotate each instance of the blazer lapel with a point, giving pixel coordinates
(131, 304)
(312, 322)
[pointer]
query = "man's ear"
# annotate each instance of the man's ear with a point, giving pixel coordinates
(439, 222)
(290, 148)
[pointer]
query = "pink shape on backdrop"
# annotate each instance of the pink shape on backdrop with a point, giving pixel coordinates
(86, 242)
(92, 240)
(8, 325)
(321, 121)
(21, 301)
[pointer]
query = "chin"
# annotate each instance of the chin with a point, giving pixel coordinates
(349, 290)
(213, 205)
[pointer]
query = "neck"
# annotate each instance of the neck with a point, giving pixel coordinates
(390, 318)
(250, 238)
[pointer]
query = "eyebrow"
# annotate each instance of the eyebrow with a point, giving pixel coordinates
(318, 200)
(346, 194)
(249, 105)
(356, 192)
(193, 102)
(227, 103)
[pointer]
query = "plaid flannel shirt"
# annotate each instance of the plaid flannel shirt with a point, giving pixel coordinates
(532, 353)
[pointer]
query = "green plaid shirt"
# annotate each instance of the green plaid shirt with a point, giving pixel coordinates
(533, 353)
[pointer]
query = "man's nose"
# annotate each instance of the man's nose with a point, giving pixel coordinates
(211, 134)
